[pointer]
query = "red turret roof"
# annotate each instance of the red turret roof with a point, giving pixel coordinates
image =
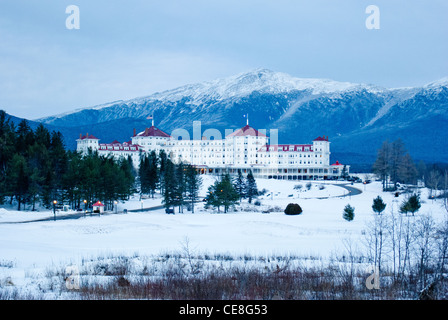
(337, 163)
(246, 131)
(98, 204)
(88, 136)
(153, 132)
(323, 138)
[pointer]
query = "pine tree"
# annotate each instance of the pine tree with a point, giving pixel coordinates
(378, 205)
(222, 193)
(349, 213)
(411, 205)
(163, 159)
(170, 185)
(25, 138)
(143, 173)
(251, 187)
(153, 174)
(212, 197)
(7, 150)
(19, 179)
(180, 186)
(240, 185)
(193, 184)
(226, 193)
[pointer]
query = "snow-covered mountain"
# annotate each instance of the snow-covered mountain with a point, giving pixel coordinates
(301, 109)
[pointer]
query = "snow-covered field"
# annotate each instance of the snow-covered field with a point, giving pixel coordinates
(320, 231)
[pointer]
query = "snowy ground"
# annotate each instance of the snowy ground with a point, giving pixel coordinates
(319, 231)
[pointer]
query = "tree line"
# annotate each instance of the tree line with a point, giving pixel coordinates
(226, 192)
(179, 184)
(394, 165)
(37, 170)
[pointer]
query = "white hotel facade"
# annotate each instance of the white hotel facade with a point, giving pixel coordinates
(244, 149)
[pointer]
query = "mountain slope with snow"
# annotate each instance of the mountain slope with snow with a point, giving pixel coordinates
(299, 108)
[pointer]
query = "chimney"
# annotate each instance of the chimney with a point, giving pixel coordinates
(87, 135)
(134, 132)
(80, 136)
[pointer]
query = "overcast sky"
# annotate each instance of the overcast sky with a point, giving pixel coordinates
(133, 48)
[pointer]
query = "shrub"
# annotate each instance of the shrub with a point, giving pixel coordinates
(378, 205)
(293, 209)
(411, 205)
(349, 213)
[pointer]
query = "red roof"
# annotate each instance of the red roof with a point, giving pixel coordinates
(98, 204)
(153, 132)
(88, 136)
(337, 163)
(246, 131)
(323, 138)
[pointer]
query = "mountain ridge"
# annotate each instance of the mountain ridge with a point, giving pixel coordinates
(300, 108)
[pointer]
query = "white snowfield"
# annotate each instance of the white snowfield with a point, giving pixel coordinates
(319, 231)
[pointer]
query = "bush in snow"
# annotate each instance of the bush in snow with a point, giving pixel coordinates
(293, 209)
(349, 213)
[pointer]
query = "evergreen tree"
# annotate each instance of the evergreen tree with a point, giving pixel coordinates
(411, 205)
(193, 184)
(7, 150)
(181, 186)
(72, 181)
(144, 175)
(19, 179)
(212, 197)
(170, 185)
(25, 138)
(127, 181)
(349, 213)
(222, 193)
(153, 174)
(251, 187)
(378, 205)
(226, 193)
(163, 159)
(59, 162)
(240, 184)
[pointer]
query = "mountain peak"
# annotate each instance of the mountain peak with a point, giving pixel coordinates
(260, 80)
(443, 82)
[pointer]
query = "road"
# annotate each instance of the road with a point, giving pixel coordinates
(352, 191)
